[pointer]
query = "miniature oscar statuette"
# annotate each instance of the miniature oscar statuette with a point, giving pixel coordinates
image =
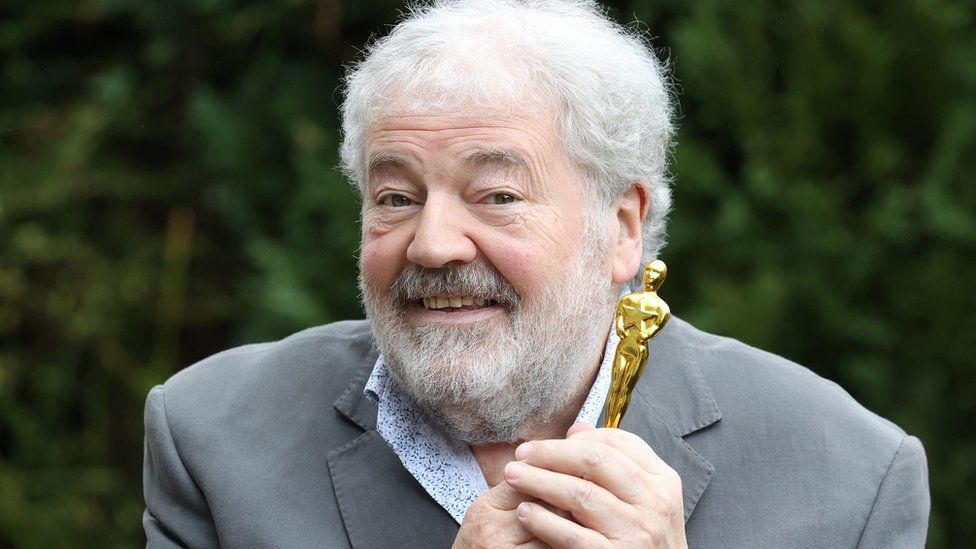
(640, 316)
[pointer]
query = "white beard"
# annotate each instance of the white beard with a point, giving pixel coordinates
(495, 380)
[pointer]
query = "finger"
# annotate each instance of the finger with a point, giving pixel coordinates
(589, 460)
(557, 531)
(515, 533)
(550, 507)
(664, 483)
(504, 497)
(629, 444)
(591, 505)
(534, 544)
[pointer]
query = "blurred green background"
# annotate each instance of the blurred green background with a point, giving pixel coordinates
(168, 188)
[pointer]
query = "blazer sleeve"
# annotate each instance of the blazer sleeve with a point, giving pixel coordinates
(176, 513)
(900, 516)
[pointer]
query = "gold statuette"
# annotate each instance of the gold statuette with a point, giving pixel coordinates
(640, 316)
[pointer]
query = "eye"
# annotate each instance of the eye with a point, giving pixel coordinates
(501, 198)
(396, 200)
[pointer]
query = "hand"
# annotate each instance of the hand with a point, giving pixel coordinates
(616, 490)
(492, 521)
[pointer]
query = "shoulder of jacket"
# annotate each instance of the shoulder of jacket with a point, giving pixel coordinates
(324, 343)
(316, 363)
(760, 385)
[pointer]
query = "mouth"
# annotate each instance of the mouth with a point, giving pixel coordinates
(455, 303)
(455, 309)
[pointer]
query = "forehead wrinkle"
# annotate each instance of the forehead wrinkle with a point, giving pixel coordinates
(519, 145)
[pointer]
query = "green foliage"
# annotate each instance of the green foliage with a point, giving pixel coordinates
(168, 189)
(825, 195)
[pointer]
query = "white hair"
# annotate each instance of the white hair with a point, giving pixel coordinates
(607, 90)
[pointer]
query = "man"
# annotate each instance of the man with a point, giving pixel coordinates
(512, 162)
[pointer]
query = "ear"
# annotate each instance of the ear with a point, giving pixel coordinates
(627, 247)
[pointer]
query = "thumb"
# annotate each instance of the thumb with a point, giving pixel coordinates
(503, 497)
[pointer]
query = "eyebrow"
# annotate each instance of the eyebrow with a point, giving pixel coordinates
(386, 160)
(497, 157)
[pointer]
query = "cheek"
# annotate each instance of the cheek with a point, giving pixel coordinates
(516, 263)
(381, 260)
(542, 242)
(529, 264)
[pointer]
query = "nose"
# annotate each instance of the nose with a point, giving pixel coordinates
(441, 236)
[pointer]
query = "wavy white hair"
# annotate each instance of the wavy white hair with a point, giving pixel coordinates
(565, 58)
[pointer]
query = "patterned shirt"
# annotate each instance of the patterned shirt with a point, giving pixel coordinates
(446, 468)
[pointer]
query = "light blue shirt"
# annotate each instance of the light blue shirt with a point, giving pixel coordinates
(446, 468)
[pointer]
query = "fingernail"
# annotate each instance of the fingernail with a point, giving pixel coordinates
(578, 428)
(524, 451)
(524, 509)
(514, 470)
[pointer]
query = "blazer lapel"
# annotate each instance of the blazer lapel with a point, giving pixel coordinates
(381, 504)
(670, 402)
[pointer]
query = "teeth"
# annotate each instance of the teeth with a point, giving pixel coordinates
(453, 302)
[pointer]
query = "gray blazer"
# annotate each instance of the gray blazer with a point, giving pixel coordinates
(274, 445)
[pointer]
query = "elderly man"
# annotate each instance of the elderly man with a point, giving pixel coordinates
(511, 158)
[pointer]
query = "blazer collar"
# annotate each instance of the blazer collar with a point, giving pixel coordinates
(671, 401)
(353, 403)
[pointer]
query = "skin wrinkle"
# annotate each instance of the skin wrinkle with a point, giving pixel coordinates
(433, 146)
(573, 61)
(538, 244)
(500, 131)
(497, 157)
(487, 177)
(558, 66)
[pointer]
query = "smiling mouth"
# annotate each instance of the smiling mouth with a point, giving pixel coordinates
(455, 303)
